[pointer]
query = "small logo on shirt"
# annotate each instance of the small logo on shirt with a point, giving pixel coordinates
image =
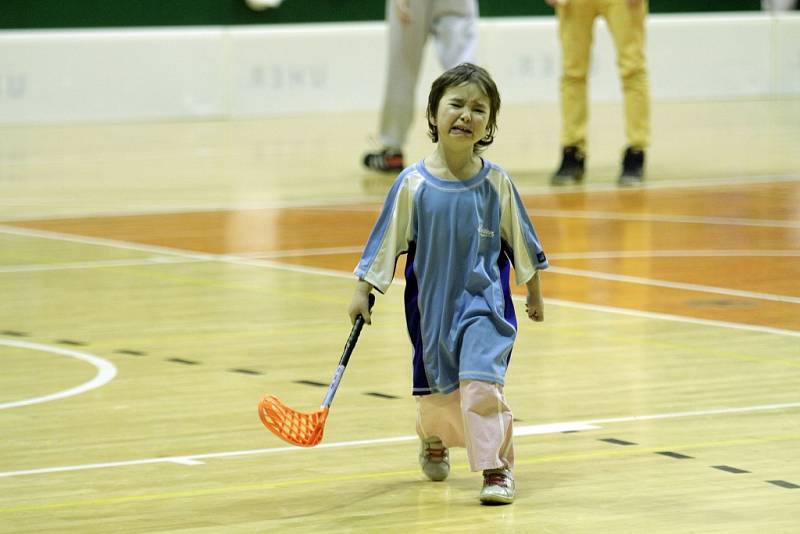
(485, 232)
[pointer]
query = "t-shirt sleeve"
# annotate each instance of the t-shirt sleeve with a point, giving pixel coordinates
(517, 230)
(390, 237)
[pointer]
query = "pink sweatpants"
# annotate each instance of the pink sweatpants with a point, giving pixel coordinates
(475, 416)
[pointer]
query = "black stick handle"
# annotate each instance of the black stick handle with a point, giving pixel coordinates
(348, 350)
(354, 333)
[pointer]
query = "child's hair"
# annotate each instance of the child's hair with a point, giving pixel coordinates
(460, 75)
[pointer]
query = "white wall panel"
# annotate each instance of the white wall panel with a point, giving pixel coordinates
(292, 69)
(710, 56)
(787, 55)
(276, 70)
(89, 75)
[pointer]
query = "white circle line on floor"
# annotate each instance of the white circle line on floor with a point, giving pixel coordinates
(106, 371)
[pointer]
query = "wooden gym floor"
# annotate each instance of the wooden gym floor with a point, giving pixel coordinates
(158, 278)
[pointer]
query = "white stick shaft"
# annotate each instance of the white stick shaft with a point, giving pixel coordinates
(337, 377)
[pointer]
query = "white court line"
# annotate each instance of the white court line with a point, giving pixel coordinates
(552, 428)
(698, 413)
(197, 458)
(730, 181)
(697, 253)
(528, 430)
(106, 371)
(187, 461)
(668, 317)
(597, 275)
(682, 219)
(38, 267)
(97, 241)
(320, 251)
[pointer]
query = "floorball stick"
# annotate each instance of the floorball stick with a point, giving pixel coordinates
(305, 428)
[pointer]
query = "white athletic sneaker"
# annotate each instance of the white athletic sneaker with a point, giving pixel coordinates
(498, 487)
(434, 459)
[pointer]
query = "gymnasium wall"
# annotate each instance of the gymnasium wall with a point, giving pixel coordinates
(277, 69)
(41, 14)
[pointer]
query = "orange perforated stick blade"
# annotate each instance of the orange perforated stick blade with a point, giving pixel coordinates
(298, 428)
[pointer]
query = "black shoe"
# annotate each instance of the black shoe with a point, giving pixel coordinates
(571, 169)
(385, 160)
(632, 167)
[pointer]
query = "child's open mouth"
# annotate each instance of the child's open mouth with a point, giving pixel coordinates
(461, 129)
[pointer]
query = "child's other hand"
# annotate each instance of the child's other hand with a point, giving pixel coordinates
(534, 307)
(534, 304)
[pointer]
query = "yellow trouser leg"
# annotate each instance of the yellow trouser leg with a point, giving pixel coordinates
(575, 23)
(627, 26)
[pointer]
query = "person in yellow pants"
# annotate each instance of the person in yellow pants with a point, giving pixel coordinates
(626, 22)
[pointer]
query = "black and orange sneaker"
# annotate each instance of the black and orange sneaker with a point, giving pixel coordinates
(385, 160)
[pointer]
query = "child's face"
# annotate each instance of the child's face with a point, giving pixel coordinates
(462, 116)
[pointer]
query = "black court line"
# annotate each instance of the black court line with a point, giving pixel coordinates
(245, 371)
(71, 342)
(380, 395)
(729, 469)
(181, 360)
(676, 455)
(784, 484)
(311, 383)
(131, 352)
(14, 333)
(615, 441)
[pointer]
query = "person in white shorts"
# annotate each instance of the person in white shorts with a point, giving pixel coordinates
(778, 5)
